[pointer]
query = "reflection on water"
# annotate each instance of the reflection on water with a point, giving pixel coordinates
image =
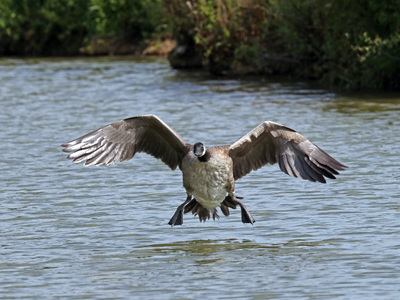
(365, 104)
(101, 233)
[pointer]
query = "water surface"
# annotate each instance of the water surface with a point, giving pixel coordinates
(101, 233)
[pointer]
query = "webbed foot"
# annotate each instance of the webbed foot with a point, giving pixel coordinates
(177, 218)
(232, 202)
(246, 216)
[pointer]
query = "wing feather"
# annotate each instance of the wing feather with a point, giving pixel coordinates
(120, 141)
(271, 143)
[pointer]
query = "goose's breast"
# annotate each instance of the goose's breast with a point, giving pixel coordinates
(207, 181)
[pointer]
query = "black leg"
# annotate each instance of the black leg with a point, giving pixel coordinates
(177, 218)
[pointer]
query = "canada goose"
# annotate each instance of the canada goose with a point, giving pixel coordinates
(209, 173)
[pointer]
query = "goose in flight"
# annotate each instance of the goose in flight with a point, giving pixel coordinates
(209, 173)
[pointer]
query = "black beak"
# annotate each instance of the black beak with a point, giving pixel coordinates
(198, 152)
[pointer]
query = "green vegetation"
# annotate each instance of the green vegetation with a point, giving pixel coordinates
(60, 27)
(352, 44)
(228, 32)
(355, 44)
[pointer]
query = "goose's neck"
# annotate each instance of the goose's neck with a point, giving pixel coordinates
(206, 157)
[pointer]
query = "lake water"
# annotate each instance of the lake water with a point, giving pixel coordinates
(70, 232)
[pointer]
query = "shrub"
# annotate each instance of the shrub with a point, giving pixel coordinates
(353, 44)
(41, 27)
(59, 27)
(220, 28)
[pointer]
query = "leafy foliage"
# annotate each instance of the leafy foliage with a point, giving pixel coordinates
(132, 18)
(221, 28)
(353, 44)
(35, 27)
(62, 26)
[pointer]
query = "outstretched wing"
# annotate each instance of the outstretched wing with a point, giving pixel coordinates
(120, 141)
(270, 142)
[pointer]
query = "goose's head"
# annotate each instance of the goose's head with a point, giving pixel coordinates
(199, 149)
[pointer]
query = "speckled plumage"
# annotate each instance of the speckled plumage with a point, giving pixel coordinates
(209, 182)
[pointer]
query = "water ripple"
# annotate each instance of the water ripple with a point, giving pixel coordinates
(101, 233)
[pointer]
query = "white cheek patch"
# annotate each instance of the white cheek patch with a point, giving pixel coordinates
(204, 151)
